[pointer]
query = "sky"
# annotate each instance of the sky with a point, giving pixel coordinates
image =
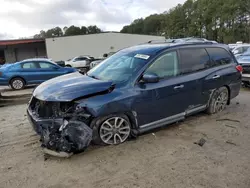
(24, 18)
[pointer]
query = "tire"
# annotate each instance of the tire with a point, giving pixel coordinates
(100, 128)
(218, 101)
(68, 66)
(17, 83)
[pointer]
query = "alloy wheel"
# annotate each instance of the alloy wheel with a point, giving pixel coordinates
(114, 130)
(221, 101)
(17, 84)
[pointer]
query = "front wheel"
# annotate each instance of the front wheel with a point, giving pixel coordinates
(218, 100)
(17, 83)
(111, 130)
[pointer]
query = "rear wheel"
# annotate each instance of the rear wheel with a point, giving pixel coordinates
(17, 83)
(68, 66)
(218, 100)
(111, 130)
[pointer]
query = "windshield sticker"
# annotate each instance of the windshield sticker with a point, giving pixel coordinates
(142, 56)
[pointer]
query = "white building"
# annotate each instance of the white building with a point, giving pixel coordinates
(64, 48)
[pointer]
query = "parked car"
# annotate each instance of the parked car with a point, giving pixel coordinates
(244, 61)
(188, 39)
(96, 62)
(240, 49)
(29, 72)
(135, 90)
(79, 62)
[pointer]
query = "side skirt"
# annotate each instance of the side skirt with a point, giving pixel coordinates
(171, 119)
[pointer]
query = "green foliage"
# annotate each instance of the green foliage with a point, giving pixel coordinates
(220, 20)
(68, 31)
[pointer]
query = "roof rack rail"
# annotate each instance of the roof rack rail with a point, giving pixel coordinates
(179, 42)
(161, 41)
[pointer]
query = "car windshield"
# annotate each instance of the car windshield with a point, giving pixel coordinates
(119, 67)
(247, 53)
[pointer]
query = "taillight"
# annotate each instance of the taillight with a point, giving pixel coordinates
(1, 73)
(239, 68)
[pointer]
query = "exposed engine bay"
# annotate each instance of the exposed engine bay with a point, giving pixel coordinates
(63, 127)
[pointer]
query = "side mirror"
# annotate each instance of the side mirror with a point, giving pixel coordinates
(150, 78)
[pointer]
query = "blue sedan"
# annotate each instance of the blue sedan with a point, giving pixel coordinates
(30, 72)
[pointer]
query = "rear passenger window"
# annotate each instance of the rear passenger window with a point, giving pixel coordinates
(193, 60)
(219, 56)
(29, 65)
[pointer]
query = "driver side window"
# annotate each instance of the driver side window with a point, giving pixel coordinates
(165, 66)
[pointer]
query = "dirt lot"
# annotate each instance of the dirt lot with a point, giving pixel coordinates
(165, 158)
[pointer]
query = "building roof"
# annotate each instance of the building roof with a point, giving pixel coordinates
(19, 41)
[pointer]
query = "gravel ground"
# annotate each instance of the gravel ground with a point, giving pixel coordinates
(167, 158)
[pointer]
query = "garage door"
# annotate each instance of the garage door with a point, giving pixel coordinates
(25, 53)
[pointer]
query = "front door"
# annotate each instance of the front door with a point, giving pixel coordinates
(164, 99)
(48, 71)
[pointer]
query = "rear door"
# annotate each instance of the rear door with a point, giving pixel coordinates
(194, 66)
(179, 90)
(30, 72)
(222, 72)
(80, 62)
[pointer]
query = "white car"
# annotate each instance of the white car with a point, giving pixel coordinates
(79, 62)
(240, 49)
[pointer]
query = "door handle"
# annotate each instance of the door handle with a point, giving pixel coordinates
(216, 76)
(179, 87)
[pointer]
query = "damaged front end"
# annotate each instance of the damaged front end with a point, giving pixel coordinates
(63, 126)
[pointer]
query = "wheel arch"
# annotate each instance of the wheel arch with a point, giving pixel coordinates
(229, 94)
(13, 77)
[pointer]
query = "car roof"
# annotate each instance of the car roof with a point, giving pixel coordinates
(151, 49)
(241, 45)
(37, 59)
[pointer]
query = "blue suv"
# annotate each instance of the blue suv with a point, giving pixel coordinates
(135, 90)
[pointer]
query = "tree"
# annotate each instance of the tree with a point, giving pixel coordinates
(220, 20)
(42, 34)
(68, 31)
(93, 29)
(73, 30)
(54, 32)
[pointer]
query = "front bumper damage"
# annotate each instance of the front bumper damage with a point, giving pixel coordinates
(63, 135)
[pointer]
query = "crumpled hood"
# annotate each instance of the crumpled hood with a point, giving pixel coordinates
(70, 87)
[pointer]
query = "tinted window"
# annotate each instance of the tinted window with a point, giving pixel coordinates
(245, 48)
(29, 65)
(193, 60)
(219, 56)
(240, 49)
(165, 66)
(80, 59)
(44, 65)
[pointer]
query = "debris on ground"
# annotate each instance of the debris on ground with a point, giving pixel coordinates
(226, 119)
(201, 142)
(231, 126)
(231, 142)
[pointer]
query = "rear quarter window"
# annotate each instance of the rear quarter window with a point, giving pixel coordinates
(193, 59)
(219, 56)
